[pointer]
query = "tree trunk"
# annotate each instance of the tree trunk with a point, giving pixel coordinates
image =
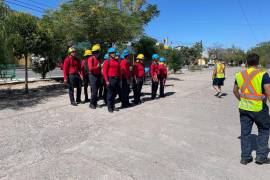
(26, 73)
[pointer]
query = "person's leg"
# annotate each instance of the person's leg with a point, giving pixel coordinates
(124, 93)
(71, 88)
(161, 88)
(79, 88)
(105, 92)
(110, 96)
(85, 87)
(135, 91)
(246, 121)
(154, 89)
(140, 84)
(263, 123)
(116, 90)
(93, 83)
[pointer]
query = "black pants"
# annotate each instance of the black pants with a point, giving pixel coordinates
(137, 89)
(125, 92)
(105, 90)
(161, 87)
(75, 81)
(154, 89)
(112, 92)
(262, 120)
(85, 87)
(94, 83)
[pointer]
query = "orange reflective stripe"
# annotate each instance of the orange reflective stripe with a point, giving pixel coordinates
(247, 81)
(252, 97)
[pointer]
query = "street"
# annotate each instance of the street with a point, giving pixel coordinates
(20, 73)
(189, 135)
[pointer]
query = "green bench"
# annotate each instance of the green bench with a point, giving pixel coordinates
(7, 71)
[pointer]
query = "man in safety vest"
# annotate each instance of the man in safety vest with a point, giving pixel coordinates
(94, 69)
(218, 77)
(72, 70)
(85, 72)
(252, 88)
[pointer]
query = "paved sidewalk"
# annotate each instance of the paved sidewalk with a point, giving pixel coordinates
(189, 135)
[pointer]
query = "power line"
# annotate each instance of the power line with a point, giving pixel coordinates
(43, 4)
(24, 6)
(31, 5)
(247, 21)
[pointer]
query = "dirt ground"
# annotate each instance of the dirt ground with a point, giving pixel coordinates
(189, 135)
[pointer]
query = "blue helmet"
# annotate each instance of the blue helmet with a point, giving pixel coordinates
(117, 54)
(155, 56)
(106, 57)
(162, 59)
(111, 50)
(125, 52)
(122, 57)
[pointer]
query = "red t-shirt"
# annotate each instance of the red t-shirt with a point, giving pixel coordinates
(138, 70)
(125, 68)
(71, 66)
(154, 69)
(162, 71)
(112, 69)
(94, 65)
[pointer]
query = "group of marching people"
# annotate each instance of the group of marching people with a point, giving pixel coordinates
(114, 76)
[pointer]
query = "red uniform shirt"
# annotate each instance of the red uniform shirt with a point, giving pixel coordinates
(82, 68)
(125, 69)
(94, 65)
(154, 69)
(162, 71)
(71, 66)
(138, 70)
(112, 69)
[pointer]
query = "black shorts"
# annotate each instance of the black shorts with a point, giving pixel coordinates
(218, 82)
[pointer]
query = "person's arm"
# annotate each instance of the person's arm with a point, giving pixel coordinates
(236, 91)
(267, 91)
(105, 72)
(82, 68)
(66, 69)
(266, 85)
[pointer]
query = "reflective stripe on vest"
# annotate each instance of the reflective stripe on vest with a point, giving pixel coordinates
(253, 94)
(250, 83)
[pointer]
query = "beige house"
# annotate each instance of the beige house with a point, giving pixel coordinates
(201, 62)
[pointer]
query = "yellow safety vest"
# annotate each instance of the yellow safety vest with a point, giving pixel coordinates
(250, 84)
(220, 71)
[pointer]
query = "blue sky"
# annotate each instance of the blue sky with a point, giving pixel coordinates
(212, 21)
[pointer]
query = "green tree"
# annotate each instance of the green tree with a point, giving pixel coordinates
(5, 50)
(105, 21)
(23, 37)
(263, 50)
(147, 46)
(175, 59)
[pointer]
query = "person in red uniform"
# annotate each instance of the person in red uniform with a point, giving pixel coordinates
(162, 76)
(154, 75)
(72, 69)
(138, 78)
(84, 73)
(126, 75)
(112, 76)
(94, 69)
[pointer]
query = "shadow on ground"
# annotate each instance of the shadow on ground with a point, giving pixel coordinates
(17, 99)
